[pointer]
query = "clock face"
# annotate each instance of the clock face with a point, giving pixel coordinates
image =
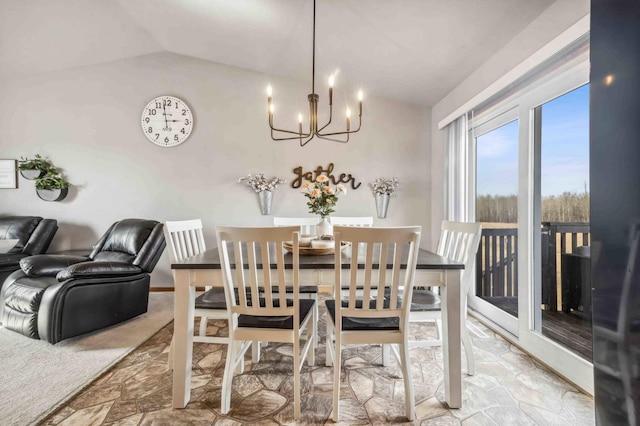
(167, 121)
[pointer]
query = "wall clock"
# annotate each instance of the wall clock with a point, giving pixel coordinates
(167, 121)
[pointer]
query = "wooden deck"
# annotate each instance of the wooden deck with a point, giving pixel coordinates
(569, 330)
(572, 330)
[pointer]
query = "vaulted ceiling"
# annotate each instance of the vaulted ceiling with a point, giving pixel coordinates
(410, 50)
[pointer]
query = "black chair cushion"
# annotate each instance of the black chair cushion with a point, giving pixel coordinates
(215, 299)
(282, 323)
(425, 300)
(48, 265)
(421, 301)
(98, 270)
(363, 324)
(303, 289)
(128, 236)
(25, 295)
(212, 299)
(10, 259)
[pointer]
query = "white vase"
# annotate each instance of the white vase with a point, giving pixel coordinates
(324, 227)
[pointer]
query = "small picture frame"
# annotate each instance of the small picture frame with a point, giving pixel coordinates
(8, 174)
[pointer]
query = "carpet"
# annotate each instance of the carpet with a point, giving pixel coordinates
(37, 377)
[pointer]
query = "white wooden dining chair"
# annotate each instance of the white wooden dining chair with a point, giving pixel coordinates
(458, 241)
(372, 311)
(307, 224)
(185, 239)
(351, 220)
(307, 291)
(253, 262)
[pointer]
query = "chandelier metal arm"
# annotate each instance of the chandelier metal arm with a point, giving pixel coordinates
(314, 129)
(299, 134)
(328, 122)
(348, 132)
(334, 139)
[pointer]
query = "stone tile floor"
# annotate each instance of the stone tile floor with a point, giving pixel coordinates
(509, 388)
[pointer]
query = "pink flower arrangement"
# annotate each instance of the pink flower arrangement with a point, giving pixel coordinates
(322, 198)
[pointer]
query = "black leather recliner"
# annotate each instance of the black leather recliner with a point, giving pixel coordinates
(54, 297)
(34, 234)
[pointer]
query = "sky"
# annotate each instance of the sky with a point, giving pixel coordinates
(565, 150)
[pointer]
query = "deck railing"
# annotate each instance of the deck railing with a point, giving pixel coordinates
(497, 260)
(496, 263)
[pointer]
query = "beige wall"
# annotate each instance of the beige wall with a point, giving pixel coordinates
(86, 121)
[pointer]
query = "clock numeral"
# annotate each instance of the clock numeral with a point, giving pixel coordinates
(166, 121)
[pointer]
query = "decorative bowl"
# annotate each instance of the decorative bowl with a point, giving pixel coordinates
(305, 240)
(322, 244)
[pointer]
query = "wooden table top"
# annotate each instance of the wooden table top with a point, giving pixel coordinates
(210, 259)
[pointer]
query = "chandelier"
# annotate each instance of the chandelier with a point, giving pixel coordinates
(314, 128)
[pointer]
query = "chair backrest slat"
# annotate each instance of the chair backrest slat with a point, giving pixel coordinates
(261, 248)
(394, 252)
(459, 241)
(351, 220)
(239, 269)
(185, 238)
(307, 224)
(395, 279)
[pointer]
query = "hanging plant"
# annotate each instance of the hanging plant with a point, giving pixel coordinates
(52, 180)
(50, 185)
(35, 163)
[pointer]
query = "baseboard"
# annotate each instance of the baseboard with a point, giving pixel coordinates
(171, 289)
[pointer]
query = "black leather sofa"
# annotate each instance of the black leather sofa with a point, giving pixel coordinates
(54, 297)
(34, 234)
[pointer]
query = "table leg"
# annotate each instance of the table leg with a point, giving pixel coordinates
(183, 337)
(451, 347)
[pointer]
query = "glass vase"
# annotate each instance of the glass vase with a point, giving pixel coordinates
(324, 227)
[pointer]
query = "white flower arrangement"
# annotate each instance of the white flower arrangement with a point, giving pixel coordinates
(259, 183)
(385, 186)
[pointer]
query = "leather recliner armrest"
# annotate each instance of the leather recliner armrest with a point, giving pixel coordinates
(48, 265)
(97, 269)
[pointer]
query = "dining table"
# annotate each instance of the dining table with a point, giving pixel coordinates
(205, 270)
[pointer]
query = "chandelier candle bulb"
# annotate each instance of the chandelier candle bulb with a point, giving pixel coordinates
(270, 101)
(348, 119)
(332, 80)
(360, 98)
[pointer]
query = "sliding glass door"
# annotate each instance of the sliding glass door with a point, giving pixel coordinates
(496, 205)
(530, 172)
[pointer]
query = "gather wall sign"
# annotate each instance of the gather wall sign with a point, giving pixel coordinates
(310, 176)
